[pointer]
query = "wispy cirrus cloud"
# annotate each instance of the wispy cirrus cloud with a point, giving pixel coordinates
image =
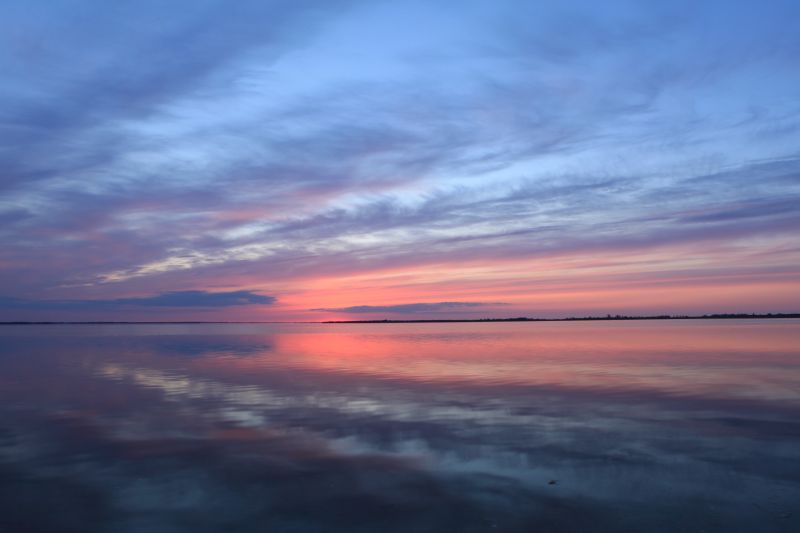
(175, 146)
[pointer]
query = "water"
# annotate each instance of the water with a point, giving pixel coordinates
(586, 426)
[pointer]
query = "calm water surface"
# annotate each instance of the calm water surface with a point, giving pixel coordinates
(511, 427)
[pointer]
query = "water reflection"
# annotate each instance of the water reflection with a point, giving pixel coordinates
(632, 426)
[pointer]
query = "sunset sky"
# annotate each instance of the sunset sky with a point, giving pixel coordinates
(316, 160)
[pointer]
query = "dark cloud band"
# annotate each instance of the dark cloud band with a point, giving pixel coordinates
(410, 308)
(176, 299)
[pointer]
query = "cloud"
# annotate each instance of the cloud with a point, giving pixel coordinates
(145, 141)
(749, 210)
(81, 72)
(199, 299)
(530, 218)
(176, 299)
(410, 308)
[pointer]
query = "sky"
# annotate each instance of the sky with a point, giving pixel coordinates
(326, 160)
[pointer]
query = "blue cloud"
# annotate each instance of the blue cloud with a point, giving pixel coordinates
(177, 299)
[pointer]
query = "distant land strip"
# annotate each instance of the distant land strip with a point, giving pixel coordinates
(716, 316)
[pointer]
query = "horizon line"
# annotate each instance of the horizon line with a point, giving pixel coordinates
(607, 317)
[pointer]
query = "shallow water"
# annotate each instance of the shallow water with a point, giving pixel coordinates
(572, 426)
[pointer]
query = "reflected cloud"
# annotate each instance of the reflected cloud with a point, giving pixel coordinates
(353, 421)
